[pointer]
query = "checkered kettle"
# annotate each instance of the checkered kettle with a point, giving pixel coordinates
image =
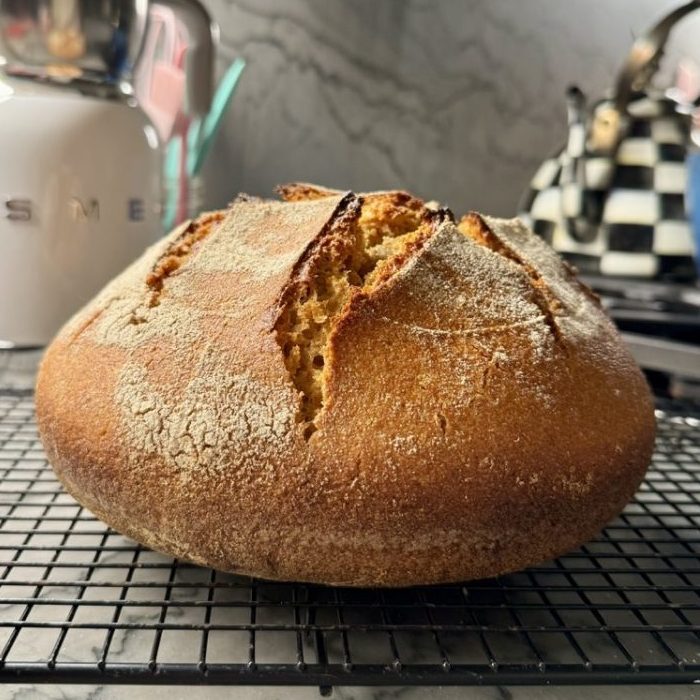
(612, 201)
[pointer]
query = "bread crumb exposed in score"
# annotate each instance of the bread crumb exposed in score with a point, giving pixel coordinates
(347, 260)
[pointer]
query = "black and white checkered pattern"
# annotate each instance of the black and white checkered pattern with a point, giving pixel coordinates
(635, 201)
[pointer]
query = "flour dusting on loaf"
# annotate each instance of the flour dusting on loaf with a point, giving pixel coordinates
(250, 243)
(191, 431)
(348, 389)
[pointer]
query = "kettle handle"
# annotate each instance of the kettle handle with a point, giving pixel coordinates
(203, 33)
(642, 61)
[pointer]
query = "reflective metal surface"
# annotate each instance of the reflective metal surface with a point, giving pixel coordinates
(62, 40)
(97, 43)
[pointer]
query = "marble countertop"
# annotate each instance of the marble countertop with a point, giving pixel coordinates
(73, 692)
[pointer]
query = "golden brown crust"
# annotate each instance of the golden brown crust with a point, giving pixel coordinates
(467, 430)
(304, 191)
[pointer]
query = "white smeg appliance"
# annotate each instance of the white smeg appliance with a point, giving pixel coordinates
(80, 163)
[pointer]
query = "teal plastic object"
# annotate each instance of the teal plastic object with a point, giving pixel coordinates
(171, 168)
(206, 131)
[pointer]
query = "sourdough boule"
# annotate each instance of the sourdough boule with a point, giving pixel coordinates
(350, 390)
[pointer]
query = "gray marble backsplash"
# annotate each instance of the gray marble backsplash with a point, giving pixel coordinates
(457, 100)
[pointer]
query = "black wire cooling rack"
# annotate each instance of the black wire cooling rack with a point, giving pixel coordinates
(80, 603)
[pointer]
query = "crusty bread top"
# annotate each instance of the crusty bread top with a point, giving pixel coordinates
(468, 287)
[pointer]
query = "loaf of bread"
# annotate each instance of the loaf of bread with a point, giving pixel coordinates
(352, 390)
